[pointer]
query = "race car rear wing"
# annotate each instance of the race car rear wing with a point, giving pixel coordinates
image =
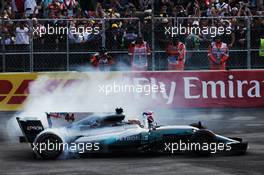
(30, 128)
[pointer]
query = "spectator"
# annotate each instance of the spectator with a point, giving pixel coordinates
(147, 23)
(260, 11)
(75, 36)
(127, 13)
(210, 11)
(71, 7)
(45, 7)
(261, 48)
(234, 11)
(229, 39)
(7, 9)
(55, 9)
(99, 11)
(163, 11)
(31, 9)
(139, 52)
(112, 13)
(38, 29)
(6, 36)
(145, 4)
(114, 37)
(222, 8)
(179, 11)
(244, 9)
(5, 15)
(193, 8)
(257, 32)
(218, 54)
(162, 38)
(18, 8)
(116, 4)
(89, 36)
(240, 32)
(22, 34)
(102, 61)
(194, 43)
(204, 39)
(87, 5)
(129, 36)
(165, 5)
(176, 52)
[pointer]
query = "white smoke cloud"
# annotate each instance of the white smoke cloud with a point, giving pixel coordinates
(79, 96)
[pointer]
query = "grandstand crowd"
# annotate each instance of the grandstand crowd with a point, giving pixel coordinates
(119, 32)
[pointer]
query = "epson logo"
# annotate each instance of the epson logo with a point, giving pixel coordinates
(36, 128)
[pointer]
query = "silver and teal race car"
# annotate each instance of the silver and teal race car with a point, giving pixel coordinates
(110, 133)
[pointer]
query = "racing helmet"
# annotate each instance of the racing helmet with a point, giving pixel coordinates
(147, 113)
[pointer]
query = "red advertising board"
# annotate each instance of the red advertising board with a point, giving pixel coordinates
(208, 89)
(188, 89)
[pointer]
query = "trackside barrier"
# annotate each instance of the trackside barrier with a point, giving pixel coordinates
(189, 89)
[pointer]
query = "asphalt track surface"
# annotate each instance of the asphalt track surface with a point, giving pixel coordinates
(245, 123)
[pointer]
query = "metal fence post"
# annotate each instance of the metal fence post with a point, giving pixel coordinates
(153, 36)
(248, 42)
(67, 47)
(3, 49)
(103, 34)
(139, 28)
(31, 57)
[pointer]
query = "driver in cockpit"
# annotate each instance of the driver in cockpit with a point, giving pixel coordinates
(149, 117)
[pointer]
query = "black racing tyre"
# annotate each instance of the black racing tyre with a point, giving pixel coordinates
(49, 146)
(198, 141)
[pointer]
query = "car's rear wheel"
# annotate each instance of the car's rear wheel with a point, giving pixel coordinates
(49, 146)
(201, 142)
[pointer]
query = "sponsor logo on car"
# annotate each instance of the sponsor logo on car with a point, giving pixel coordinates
(36, 128)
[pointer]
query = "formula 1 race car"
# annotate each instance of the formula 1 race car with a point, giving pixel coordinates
(109, 133)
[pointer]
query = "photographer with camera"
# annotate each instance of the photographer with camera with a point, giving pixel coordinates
(101, 60)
